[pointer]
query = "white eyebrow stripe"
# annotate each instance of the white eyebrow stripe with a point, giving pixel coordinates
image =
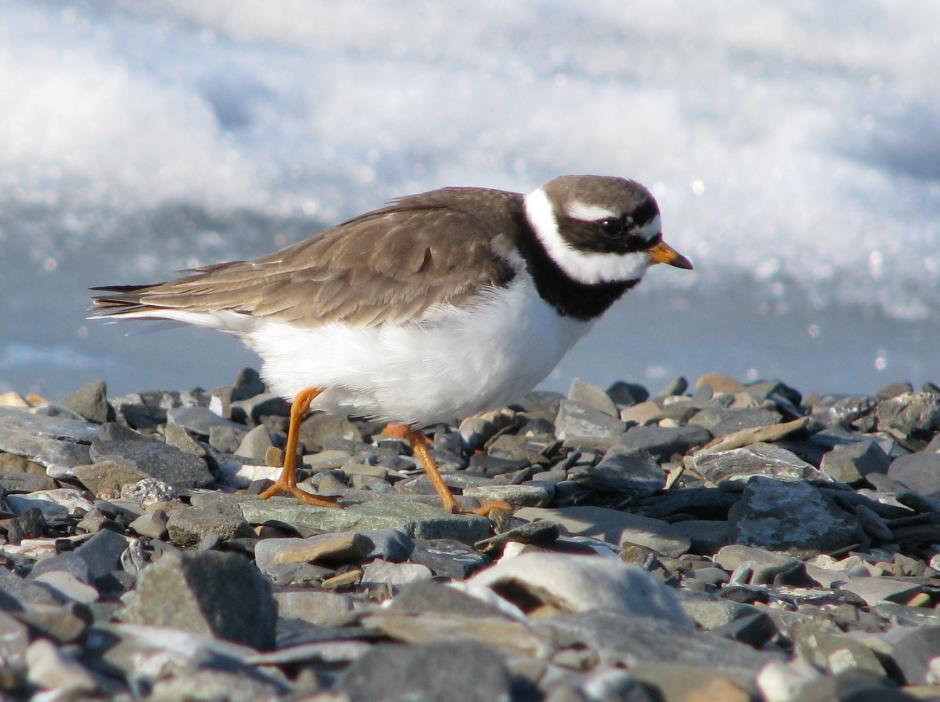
(651, 228)
(588, 213)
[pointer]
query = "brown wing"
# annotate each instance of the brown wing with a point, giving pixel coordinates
(388, 265)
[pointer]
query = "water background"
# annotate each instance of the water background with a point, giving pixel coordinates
(794, 148)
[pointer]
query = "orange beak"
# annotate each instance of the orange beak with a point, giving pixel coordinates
(664, 253)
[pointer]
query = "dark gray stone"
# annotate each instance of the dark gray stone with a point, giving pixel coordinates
(722, 421)
(754, 629)
(582, 426)
(447, 557)
(428, 673)
(68, 562)
(200, 420)
(791, 516)
(226, 439)
(247, 384)
(156, 459)
(914, 653)
(920, 471)
(662, 442)
(591, 396)
(852, 462)
(623, 470)
(538, 532)
(320, 429)
(707, 503)
(909, 413)
(209, 514)
(210, 593)
(705, 536)
(430, 596)
(90, 401)
(57, 443)
(625, 394)
(763, 565)
(17, 594)
(102, 552)
(758, 459)
(894, 389)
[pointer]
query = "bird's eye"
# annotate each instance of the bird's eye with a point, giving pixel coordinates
(611, 226)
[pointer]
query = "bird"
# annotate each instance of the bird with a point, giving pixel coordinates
(435, 307)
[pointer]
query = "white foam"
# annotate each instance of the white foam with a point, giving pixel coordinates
(796, 144)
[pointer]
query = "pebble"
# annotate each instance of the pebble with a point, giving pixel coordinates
(786, 530)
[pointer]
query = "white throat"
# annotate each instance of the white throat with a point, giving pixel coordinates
(585, 267)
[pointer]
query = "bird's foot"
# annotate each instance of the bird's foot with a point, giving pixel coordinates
(280, 488)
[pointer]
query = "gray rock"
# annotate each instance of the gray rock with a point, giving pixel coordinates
(894, 389)
(149, 491)
(247, 384)
(57, 443)
(327, 549)
(711, 611)
(705, 536)
(540, 532)
(447, 557)
(155, 459)
(529, 494)
(317, 607)
(65, 623)
(428, 673)
(89, 401)
(920, 471)
(850, 463)
(209, 514)
(255, 444)
(52, 669)
(762, 564)
(209, 593)
(613, 526)
(759, 459)
(67, 586)
(105, 480)
(176, 436)
(708, 503)
(151, 524)
(226, 439)
(631, 641)
(14, 638)
(676, 386)
(212, 684)
(68, 562)
(56, 505)
(17, 594)
(591, 396)
(320, 429)
(389, 512)
(625, 394)
(909, 413)
(663, 442)
(583, 426)
(724, 421)
(623, 470)
(916, 653)
(475, 432)
(102, 553)
(261, 409)
(15, 481)
(200, 420)
(792, 517)
(382, 572)
(429, 596)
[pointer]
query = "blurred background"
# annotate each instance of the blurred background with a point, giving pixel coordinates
(794, 148)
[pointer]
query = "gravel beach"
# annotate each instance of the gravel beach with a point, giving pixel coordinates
(710, 540)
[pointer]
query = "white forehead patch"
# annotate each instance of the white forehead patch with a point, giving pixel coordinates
(585, 267)
(588, 213)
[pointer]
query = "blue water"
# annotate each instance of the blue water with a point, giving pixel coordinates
(794, 148)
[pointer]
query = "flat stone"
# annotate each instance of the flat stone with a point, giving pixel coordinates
(613, 526)
(67, 586)
(705, 536)
(428, 596)
(395, 574)
(763, 565)
(579, 584)
(756, 435)
(56, 505)
(524, 495)
(177, 436)
(757, 460)
(707, 503)
(710, 611)
(724, 421)
(641, 413)
(582, 426)
(151, 524)
(155, 459)
(333, 549)
(632, 641)
(212, 684)
(720, 383)
(320, 428)
(227, 439)
(24, 482)
(209, 593)
(448, 558)
(17, 594)
(57, 443)
(412, 517)
(916, 654)
(323, 608)
(260, 409)
(14, 638)
(217, 515)
(476, 431)
(52, 669)
(102, 552)
(428, 673)
(541, 532)
(105, 480)
(663, 442)
(90, 402)
(850, 463)
(622, 470)
(67, 562)
(790, 516)
(200, 420)
(64, 623)
(591, 396)
(920, 471)
(881, 589)
(909, 413)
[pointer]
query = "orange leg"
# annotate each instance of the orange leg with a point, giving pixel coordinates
(287, 482)
(419, 445)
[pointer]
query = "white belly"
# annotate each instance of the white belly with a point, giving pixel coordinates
(452, 364)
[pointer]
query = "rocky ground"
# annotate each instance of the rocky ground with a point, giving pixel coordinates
(723, 542)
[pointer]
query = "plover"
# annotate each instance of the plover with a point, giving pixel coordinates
(438, 306)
